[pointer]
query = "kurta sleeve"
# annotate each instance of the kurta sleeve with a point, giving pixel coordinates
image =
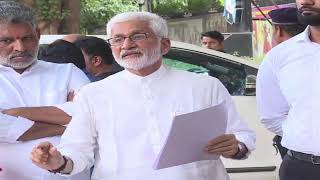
(67, 107)
(11, 128)
(79, 140)
(77, 80)
(272, 106)
(235, 124)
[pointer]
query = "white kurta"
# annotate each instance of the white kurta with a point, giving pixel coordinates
(43, 84)
(125, 119)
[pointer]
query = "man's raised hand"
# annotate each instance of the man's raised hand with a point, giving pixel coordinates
(46, 156)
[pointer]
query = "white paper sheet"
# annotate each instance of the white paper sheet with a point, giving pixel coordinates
(189, 134)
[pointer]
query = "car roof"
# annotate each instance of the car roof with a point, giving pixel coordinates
(47, 39)
(221, 55)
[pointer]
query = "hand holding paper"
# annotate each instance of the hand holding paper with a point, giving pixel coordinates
(225, 145)
(190, 134)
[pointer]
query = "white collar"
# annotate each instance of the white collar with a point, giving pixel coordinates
(30, 68)
(304, 36)
(149, 78)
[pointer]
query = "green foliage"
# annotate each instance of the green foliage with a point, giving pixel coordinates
(95, 13)
(173, 7)
(199, 5)
(50, 10)
(167, 7)
(218, 5)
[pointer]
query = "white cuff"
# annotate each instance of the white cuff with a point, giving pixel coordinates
(249, 145)
(78, 164)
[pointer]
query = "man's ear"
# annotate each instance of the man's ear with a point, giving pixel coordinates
(279, 31)
(165, 45)
(96, 60)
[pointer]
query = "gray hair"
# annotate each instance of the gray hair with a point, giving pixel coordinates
(156, 23)
(14, 12)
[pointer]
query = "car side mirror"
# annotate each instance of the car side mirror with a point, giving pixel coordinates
(250, 85)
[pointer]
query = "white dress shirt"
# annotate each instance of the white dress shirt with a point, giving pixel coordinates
(125, 119)
(43, 84)
(288, 93)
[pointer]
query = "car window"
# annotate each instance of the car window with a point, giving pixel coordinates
(232, 75)
(185, 66)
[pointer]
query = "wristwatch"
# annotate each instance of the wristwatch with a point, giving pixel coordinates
(61, 168)
(242, 151)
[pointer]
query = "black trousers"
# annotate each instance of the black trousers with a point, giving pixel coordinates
(293, 169)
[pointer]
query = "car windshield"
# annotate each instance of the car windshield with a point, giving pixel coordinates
(232, 76)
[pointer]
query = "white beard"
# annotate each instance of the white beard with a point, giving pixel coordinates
(20, 65)
(149, 57)
(6, 61)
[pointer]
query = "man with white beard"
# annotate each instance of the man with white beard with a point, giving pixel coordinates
(122, 121)
(288, 96)
(33, 95)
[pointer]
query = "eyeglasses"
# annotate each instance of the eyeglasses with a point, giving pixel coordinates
(117, 41)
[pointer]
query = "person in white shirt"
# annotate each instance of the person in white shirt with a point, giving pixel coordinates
(285, 25)
(288, 98)
(33, 95)
(122, 121)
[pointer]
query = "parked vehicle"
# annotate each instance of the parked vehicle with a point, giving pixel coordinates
(239, 77)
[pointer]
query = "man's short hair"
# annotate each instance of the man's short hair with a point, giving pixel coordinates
(214, 35)
(61, 51)
(293, 30)
(287, 19)
(14, 12)
(94, 46)
(156, 23)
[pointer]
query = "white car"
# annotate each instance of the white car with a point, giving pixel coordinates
(238, 75)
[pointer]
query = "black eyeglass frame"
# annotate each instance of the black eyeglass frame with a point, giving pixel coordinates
(131, 37)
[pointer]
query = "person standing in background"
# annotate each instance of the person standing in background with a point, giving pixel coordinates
(288, 96)
(213, 40)
(33, 95)
(285, 25)
(61, 51)
(98, 57)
